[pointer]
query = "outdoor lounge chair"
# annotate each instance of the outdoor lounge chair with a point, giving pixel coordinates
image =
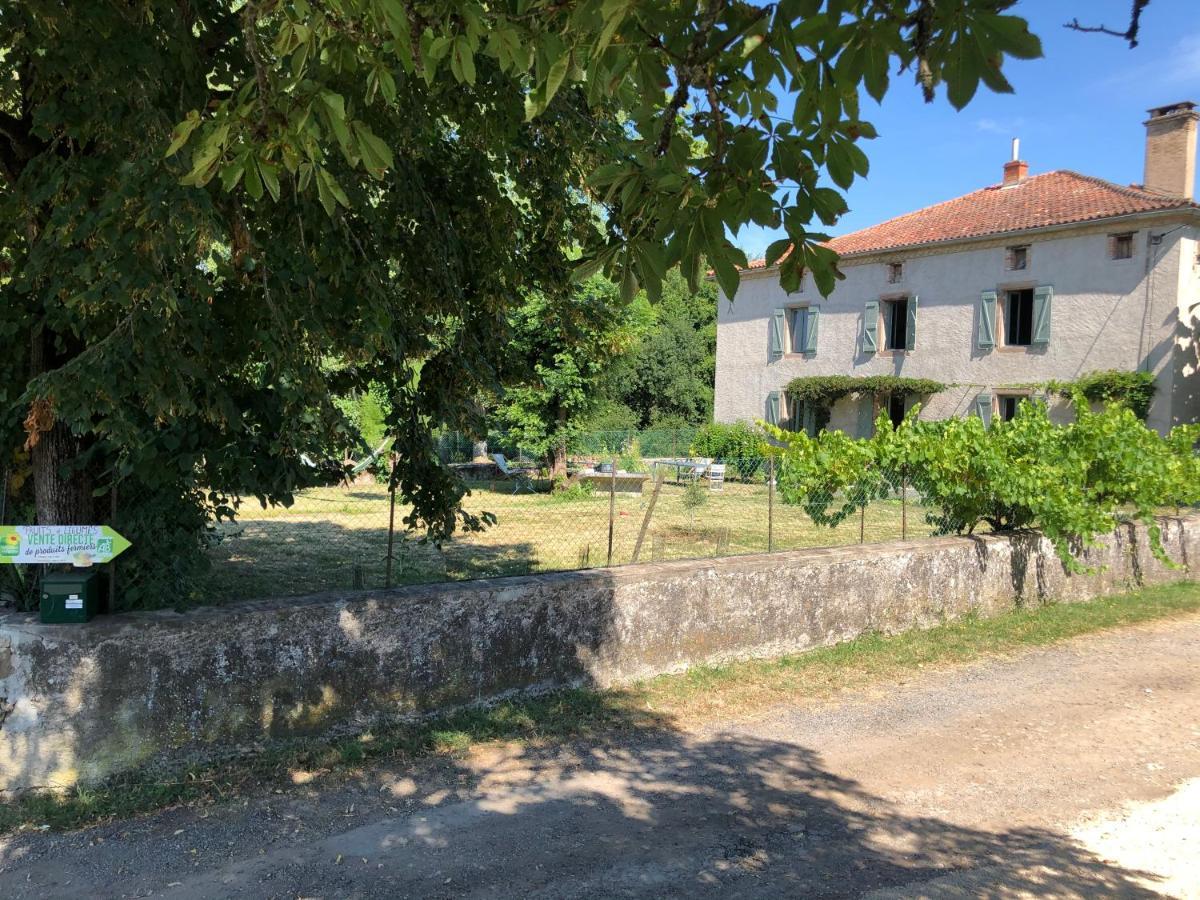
(716, 476)
(518, 476)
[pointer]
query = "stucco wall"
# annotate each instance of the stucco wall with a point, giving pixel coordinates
(152, 690)
(1100, 320)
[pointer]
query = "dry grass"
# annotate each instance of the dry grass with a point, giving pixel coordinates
(337, 538)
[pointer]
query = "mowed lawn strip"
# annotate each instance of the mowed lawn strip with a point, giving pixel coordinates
(336, 538)
(673, 701)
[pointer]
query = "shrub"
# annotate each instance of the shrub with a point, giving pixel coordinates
(739, 444)
(695, 495)
(1073, 482)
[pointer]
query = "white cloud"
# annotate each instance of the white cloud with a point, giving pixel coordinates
(1005, 127)
(1180, 64)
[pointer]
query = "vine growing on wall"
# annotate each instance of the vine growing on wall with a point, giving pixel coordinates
(823, 391)
(1133, 390)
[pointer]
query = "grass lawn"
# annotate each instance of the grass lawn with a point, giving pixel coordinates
(337, 537)
(671, 701)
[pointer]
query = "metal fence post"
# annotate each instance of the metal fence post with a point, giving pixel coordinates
(112, 566)
(904, 506)
(770, 504)
(612, 506)
(862, 521)
(387, 573)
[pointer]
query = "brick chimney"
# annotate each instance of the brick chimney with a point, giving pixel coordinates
(1171, 150)
(1015, 169)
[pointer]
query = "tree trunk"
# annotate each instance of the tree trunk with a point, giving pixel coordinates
(556, 461)
(60, 498)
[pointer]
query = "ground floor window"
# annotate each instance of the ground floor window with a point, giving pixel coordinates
(895, 409)
(1007, 406)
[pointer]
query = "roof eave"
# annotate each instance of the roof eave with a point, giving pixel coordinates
(1185, 209)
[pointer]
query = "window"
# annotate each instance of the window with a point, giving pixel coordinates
(895, 409)
(1120, 246)
(800, 417)
(1007, 406)
(895, 272)
(1018, 258)
(1018, 318)
(895, 324)
(798, 325)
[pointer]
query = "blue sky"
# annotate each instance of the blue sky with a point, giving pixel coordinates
(1080, 107)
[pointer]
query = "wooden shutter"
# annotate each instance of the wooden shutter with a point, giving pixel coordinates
(1041, 314)
(778, 332)
(871, 327)
(983, 407)
(911, 343)
(809, 419)
(986, 338)
(773, 408)
(812, 317)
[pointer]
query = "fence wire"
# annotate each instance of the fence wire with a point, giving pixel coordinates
(650, 509)
(619, 506)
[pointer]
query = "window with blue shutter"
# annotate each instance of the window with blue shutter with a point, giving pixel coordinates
(812, 320)
(1042, 297)
(870, 342)
(911, 342)
(983, 407)
(986, 336)
(773, 408)
(778, 326)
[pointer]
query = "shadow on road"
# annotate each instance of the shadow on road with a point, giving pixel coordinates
(669, 815)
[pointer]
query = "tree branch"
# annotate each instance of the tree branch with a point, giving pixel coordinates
(1129, 34)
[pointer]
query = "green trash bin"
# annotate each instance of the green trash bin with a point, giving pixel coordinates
(70, 597)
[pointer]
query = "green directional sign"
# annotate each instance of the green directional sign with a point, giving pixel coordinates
(77, 545)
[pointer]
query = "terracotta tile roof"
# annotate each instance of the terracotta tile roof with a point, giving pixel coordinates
(1055, 198)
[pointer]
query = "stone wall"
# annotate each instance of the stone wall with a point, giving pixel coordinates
(79, 703)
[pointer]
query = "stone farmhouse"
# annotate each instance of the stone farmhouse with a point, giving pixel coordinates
(993, 294)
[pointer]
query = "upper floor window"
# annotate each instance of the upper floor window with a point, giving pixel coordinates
(895, 272)
(895, 324)
(798, 328)
(1120, 246)
(1018, 318)
(1017, 258)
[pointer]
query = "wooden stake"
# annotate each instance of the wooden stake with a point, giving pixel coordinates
(658, 480)
(770, 504)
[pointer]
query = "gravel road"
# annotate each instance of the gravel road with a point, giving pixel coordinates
(1063, 772)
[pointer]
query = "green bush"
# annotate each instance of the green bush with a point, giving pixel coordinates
(1073, 482)
(740, 445)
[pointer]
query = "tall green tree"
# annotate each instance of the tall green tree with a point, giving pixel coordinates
(202, 200)
(668, 374)
(567, 350)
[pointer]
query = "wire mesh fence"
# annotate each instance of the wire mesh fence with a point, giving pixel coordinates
(630, 497)
(613, 511)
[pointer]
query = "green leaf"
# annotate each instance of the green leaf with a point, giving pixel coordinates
(376, 155)
(776, 250)
(182, 131)
(270, 177)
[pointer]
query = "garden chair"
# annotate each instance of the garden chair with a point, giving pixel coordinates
(716, 476)
(519, 477)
